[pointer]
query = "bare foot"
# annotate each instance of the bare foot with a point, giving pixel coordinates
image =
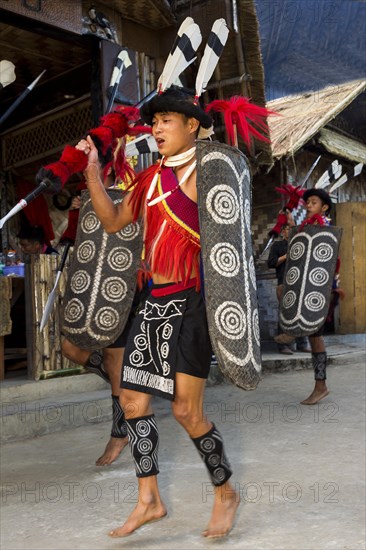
(112, 451)
(315, 397)
(223, 513)
(141, 515)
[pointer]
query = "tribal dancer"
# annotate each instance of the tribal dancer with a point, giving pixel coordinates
(318, 207)
(168, 352)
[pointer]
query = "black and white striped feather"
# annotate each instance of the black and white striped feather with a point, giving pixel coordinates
(350, 174)
(184, 26)
(330, 175)
(144, 144)
(183, 55)
(213, 50)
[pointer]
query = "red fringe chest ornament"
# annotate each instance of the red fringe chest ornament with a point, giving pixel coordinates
(171, 229)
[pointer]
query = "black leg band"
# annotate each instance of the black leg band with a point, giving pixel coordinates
(119, 426)
(95, 365)
(211, 448)
(320, 365)
(144, 442)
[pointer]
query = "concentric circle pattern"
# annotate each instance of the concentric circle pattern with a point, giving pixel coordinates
(164, 349)
(143, 428)
(207, 444)
(297, 250)
(140, 342)
(136, 358)
(144, 446)
(146, 464)
(166, 368)
(289, 299)
(129, 232)
(318, 276)
(292, 275)
(80, 281)
(323, 252)
(219, 474)
(74, 310)
(86, 252)
(90, 222)
(114, 289)
(314, 301)
(107, 318)
(119, 258)
(223, 205)
(230, 320)
(167, 331)
(225, 259)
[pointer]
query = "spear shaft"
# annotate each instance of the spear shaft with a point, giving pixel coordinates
(19, 99)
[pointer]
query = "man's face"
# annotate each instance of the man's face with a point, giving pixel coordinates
(285, 231)
(30, 247)
(173, 133)
(315, 206)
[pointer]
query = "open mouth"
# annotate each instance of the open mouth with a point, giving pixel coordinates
(159, 141)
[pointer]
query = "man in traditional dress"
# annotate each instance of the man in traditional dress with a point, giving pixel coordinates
(168, 352)
(318, 207)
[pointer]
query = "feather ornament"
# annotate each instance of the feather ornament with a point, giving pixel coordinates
(330, 175)
(213, 50)
(144, 144)
(182, 57)
(239, 113)
(347, 176)
(184, 26)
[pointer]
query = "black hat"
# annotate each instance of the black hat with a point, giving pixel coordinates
(175, 100)
(31, 233)
(323, 196)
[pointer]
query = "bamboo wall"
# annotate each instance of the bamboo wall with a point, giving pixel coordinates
(44, 349)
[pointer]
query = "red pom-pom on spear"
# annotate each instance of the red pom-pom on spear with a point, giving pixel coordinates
(113, 126)
(294, 195)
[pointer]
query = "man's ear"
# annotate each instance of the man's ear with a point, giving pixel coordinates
(325, 208)
(193, 124)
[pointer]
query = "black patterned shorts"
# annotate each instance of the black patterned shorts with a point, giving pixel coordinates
(169, 334)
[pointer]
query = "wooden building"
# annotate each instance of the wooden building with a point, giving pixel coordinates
(77, 47)
(332, 123)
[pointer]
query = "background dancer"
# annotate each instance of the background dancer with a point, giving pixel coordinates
(318, 207)
(106, 363)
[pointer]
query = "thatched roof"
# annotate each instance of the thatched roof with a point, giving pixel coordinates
(302, 116)
(153, 14)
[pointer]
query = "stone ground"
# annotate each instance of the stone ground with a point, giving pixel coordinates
(300, 472)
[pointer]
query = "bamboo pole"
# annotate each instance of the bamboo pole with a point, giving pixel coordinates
(46, 343)
(36, 281)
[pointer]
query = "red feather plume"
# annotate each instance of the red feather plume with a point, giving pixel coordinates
(249, 119)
